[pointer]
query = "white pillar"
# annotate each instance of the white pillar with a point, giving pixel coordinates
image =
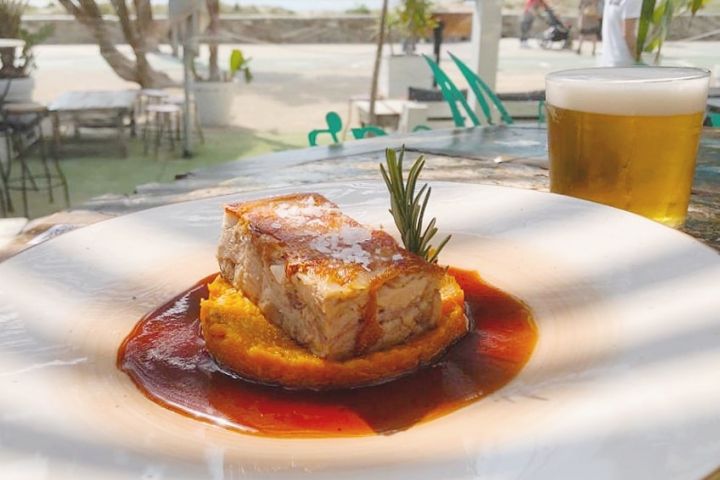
(486, 31)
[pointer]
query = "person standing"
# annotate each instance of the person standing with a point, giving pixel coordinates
(531, 10)
(589, 23)
(619, 27)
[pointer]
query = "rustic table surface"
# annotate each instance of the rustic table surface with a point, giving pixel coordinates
(80, 101)
(112, 107)
(514, 156)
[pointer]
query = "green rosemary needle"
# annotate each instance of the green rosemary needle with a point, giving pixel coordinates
(408, 208)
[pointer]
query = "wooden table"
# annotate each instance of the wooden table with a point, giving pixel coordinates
(11, 43)
(96, 109)
(514, 156)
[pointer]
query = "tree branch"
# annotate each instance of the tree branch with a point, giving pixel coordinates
(139, 71)
(73, 9)
(378, 58)
(124, 18)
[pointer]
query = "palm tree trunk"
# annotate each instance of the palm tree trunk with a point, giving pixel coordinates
(378, 57)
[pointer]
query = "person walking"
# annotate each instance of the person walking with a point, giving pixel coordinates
(589, 23)
(531, 10)
(619, 27)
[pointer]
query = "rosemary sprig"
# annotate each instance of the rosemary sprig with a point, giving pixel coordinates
(408, 208)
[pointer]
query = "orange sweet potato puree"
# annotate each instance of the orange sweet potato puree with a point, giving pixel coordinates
(167, 358)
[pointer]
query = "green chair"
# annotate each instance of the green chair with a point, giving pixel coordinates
(714, 119)
(362, 132)
(335, 126)
(481, 89)
(452, 96)
(541, 111)
(334, 123)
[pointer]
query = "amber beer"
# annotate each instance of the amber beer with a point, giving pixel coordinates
(627, 137)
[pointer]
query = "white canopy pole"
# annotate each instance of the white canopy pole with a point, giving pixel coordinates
(189, 52)
(485, 40)
(183, 15)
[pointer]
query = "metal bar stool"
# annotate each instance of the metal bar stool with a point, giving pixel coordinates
(3, 207)
(23, 128)
(150, 96)
(179, 100)
(163, 123)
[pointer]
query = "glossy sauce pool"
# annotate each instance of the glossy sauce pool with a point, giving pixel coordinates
(166, 358)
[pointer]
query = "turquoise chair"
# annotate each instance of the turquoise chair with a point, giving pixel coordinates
(335, 126)
(334, 123)
(714, 119)
(452, 96)
(481, 89)
(363, 132)
(541, 111)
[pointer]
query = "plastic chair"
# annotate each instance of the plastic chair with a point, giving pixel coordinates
(335, 126)
(20, 121)
(481, 89)
(541, 111)
(3, 206)
(714, 119)
(362, 132)
(452, 96)
(162, 122)
(334, 123)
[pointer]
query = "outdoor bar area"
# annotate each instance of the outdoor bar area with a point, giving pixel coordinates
(427, 239)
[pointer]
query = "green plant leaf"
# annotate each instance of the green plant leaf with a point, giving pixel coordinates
(653, 45)
(236, 61)
(659, 12)
(654, 25)
(646, 16)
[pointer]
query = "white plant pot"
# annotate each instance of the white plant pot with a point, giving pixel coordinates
(21, 89)
(215, 102)
(399, 72)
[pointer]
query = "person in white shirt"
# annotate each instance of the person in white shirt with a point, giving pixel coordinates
(620, 19)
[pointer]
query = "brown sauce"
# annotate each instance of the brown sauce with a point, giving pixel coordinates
(166, 358)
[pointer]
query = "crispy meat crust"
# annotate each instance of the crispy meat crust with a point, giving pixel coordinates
(296, 228)
(328, 259)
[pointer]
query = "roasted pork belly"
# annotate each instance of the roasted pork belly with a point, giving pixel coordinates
(333, 285)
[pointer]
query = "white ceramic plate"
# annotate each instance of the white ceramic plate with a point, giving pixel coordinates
(624, 382)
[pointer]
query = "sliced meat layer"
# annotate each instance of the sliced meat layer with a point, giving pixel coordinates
(333, 285)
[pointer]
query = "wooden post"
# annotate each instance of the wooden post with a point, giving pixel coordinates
(378, 57)
(189, 47)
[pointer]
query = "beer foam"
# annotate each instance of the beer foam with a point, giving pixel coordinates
(629, 91)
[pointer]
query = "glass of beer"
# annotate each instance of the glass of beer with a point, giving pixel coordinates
(627, 137)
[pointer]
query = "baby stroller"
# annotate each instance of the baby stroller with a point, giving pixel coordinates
(557, 33)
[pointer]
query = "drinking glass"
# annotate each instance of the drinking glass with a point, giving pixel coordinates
(627, 137)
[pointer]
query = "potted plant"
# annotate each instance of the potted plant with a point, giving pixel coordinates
(214, 93)
(412, 20)
(15, 68)
(655, 20)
